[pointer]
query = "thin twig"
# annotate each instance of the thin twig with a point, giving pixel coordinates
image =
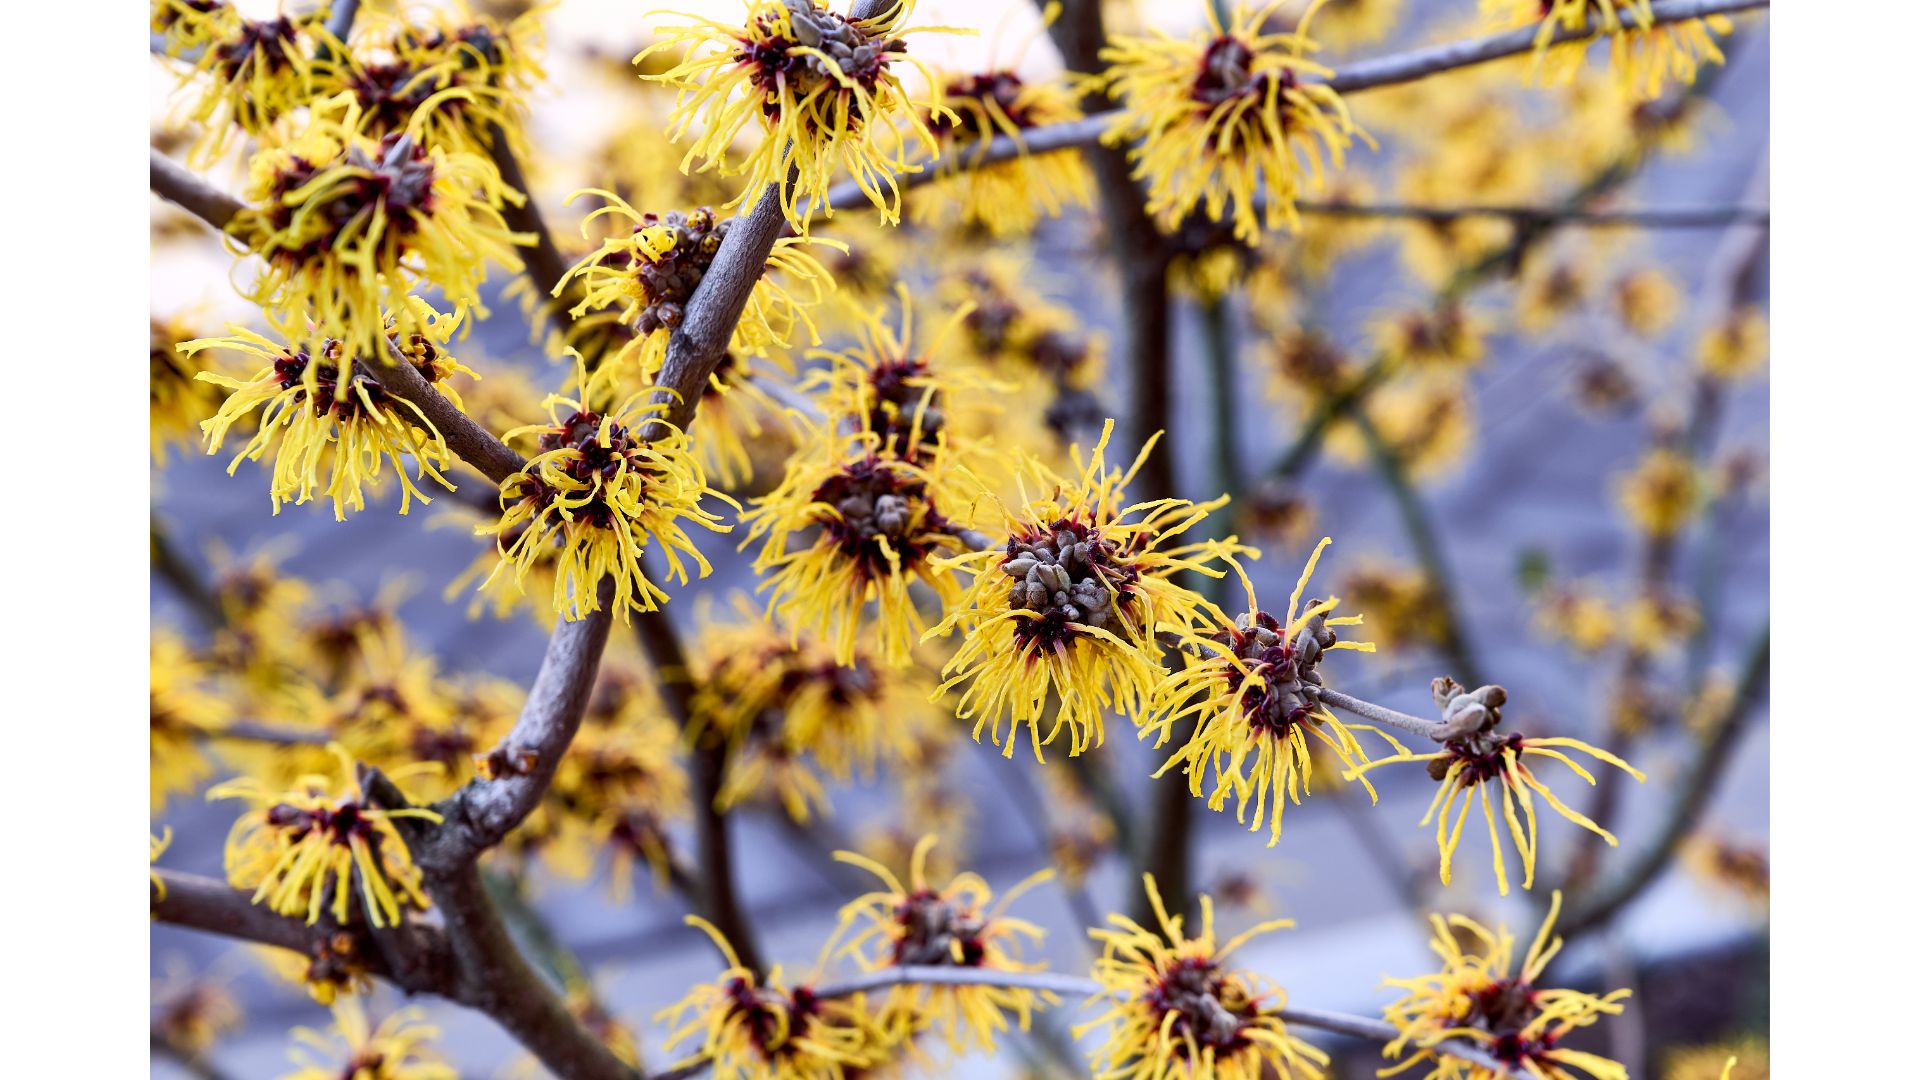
(1380, 714)
(270, 734)
(1079, 986)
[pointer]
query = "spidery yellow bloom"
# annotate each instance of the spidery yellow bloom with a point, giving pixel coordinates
(1468, 767)
(1007, 197)
(305, 849)
(347, 224)
(251, 72)
(959, 926)
(1251, 692)
(191, 1018)
(1069, 606)
(396, 1050)
(648, 267)
(820, 86)
(178, 400)
(784, 705)
(401, 68)
(331, 969)
(1646, 300)
(1344, 24)
(1736, 346)
(1223, 120)
(1743, 1058)
(1662, 492)
(1450, 336)
(192, 24)
(184, 713)
(862, 515)
(1477, 996)
(1177, 1012)
(601, 496)
(1729, 864)
(326, 438)
(747, 1027)
(1643, 58)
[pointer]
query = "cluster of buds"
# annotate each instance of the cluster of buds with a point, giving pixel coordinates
(1068, 575)
(936, 931)
(679, 249)
(1287, 667)
(838, 50)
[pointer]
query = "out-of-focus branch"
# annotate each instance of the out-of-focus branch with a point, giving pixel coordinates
(719, 897)
(271, 735)
(181, 186)
(1426, 546)
(1693, 790)
(172, 566)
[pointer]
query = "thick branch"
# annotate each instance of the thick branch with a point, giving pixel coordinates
(465, 436)
(177, 184)
(480, 814)
(204, 903)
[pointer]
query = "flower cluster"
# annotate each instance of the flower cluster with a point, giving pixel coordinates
(309, 851)
(1480, 997)
(1251, 691)
(595, 497)
(1006, 197)
(821, 88)
(347, 224)
(325, 424)
(1176, 1008)
(959, 926)
(1231, 119)
(1067, 610)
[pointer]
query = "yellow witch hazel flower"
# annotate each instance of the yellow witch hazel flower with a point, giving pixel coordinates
(1643, 57)
(395, 1050)
(1068, 607)
(251, 72)
(1227, 120)
(647, 269)
(881, 502)
(400, 66)
(1177, 1011)
(960, 926)
(1253, 698)
(819, 85)
(750, 1027)
(326, 427)
(785, 705)
(598, 495)
(1478, 997)
(1006, 197)
(346, 223)
(184, 714)
(1469, 766)
(306, 851)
